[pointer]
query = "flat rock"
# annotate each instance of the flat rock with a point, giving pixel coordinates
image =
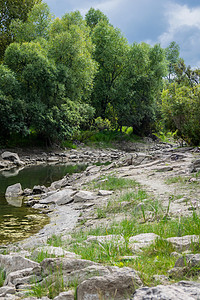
(118, 285)
(84, 196)
(184, 242)
(183, 290)
(137, 242)
(69, 295)
(14, 263)
(50, 265)
(60, 198)
(57, 251)
(4, 290)
(104, 193)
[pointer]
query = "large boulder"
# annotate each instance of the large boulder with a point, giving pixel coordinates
(16, 262)
(118, 285)
(13, 157)
(84, 196)
(60, 198)
(13, 195)
(183, 290)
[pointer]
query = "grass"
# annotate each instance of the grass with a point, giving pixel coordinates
(112, 183)
(2, 277)
(176, 179)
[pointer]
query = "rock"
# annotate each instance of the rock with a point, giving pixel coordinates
(104, 193)
(84, 196)
(5, 290)
(22, 276)
(13, 195)
(60, 198)
(14, 190)
(12, 157)
(14, 263)
(164, 169)
(119, 285)
(184, 242)
(50, 265)
(195, 166)
(137, 242)
(189, 260)
(161, 279)
(182, 290)
(69, 295)
(57, 251)
(38, 189)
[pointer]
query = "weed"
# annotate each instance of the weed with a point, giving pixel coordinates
(55, 240)
(113, 183)
(42, 255)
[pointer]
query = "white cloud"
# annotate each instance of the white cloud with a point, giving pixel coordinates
(179, 17)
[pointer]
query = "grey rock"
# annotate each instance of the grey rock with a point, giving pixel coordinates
(84, 196)
(184, 242)
(14, 263)
(4, 290)
(189, 260)
(60, 198)
(38, 189)
(178, 291)
(68, 265)
(118, 285)
(57, 251)
(104, 193)
(137, 242)
(10, 156)
(14, 190)
(22, 276)
(69, 295)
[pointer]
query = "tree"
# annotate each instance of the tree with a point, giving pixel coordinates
(94, 16)
(36, 26)
(10, 10)
(172, 56)
(111, 50)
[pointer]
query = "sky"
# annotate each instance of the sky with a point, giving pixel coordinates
(150, 21)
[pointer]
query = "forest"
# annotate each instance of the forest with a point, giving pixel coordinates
(63, 76)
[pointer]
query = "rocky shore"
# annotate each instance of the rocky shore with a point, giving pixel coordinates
(74, 206)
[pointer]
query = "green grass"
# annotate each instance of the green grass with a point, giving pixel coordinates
(176, 179)
(112, 183)
(2, 277)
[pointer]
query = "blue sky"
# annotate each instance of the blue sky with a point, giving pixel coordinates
(151, 21)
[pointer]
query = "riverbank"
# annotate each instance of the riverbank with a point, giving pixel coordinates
(132, 223)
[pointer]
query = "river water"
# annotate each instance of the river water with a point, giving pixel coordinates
(17, 223)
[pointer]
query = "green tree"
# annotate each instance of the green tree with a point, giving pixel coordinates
(94, 16)
(111, 50)
(172, 56)
(10, 10)
(36, 26)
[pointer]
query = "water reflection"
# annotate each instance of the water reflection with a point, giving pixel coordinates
(14, 201)
(16, 220)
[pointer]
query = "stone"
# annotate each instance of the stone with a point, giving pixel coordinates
(50, 265)
(14, 263)
(69, 295)
(88, 272)
(14, 190)
(189, 260)
(104, 193)
(4, 290)
(195, 166)
(184, 242)
(22, 276)
(84, 196)
(57, 251)
(119, 285)
(38, 189)
(10, 156)
(13, 195)
(137, 242)
(60, 198)
(182, 290)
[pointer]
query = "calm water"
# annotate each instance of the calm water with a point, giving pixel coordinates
(20, 222)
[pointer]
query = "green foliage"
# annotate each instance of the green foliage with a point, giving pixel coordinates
(12, 10)
(181, 111)
(94, 16)
(2, 277)
(113, 183)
